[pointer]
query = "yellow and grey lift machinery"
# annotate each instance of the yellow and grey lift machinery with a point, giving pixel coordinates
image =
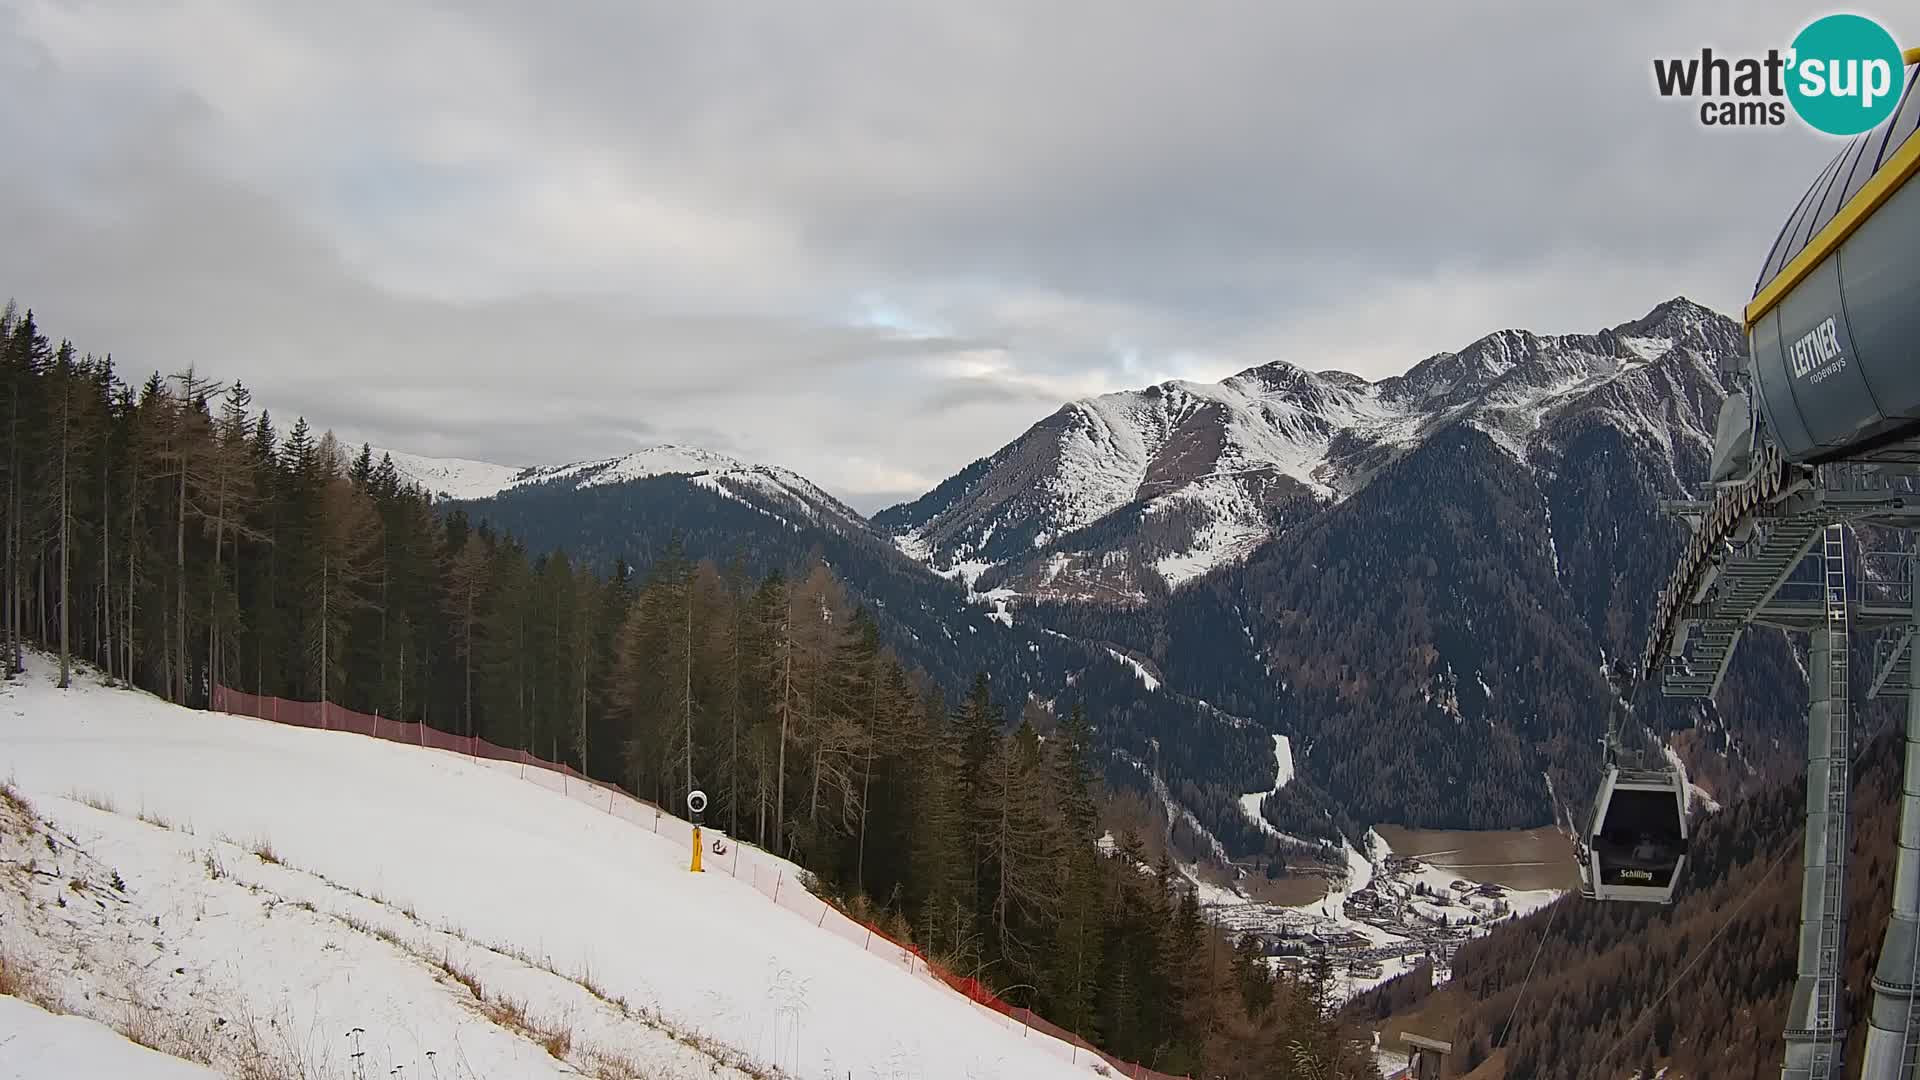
(1823, 433)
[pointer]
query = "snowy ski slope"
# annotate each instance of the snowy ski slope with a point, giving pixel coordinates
(398, 863)
(35, 1045)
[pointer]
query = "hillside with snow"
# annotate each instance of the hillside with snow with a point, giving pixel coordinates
(461, 480)
(232, 890)
(1118, 496)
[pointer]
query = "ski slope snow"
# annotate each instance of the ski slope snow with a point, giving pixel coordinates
(1283, 774)
(36, 1044)
(399, 873)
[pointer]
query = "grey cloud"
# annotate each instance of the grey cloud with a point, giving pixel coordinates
(484, 231)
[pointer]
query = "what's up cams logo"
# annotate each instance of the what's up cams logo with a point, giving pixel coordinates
(1842, 75)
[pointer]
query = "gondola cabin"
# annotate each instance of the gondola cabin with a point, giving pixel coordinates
(1636, 842)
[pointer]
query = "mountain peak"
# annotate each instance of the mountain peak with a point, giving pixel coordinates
(461, 479)
(1122, 494)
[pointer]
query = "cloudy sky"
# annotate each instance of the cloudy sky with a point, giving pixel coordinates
(870, 241)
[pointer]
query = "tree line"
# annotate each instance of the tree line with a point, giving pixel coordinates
(176, 539)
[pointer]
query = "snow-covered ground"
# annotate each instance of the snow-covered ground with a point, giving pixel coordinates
(1250, 803)
(38, 1045)
(453, 478)
(1139, 669)
(402, 880)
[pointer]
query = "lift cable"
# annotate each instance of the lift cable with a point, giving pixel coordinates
(1704, 950)
(1553, 912)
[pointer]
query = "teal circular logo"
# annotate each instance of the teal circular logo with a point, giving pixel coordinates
(1845, 74)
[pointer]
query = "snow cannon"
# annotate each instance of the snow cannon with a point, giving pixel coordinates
(1833, 331)
(697, 806)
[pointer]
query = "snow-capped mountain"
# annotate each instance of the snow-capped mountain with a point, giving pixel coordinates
(772, 489)
(1118, 496)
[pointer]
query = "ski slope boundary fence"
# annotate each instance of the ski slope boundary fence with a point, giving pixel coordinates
(771, 876)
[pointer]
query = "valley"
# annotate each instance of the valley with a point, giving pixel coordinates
(1516, 859)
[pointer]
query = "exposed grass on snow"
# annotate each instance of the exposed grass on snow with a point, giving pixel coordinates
(161, 821)
(11, 798)
(102, 803)
(263, 850)
(18, 980)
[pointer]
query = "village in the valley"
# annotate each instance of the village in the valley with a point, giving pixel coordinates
(1392, 912)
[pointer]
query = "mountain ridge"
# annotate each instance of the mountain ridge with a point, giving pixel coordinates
(1130, 494)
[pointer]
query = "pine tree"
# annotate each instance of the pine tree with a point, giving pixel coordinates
(1019, 847)
(467, 585)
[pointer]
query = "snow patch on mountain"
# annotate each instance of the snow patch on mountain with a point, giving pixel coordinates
(1139, 669)
(663, 460)
(728, 477)
(1250, 803)
(453, 478)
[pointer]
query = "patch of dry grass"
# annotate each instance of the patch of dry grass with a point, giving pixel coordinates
(157, 1031)
(462, 976)
(10, 796)
(19, 981)
(102, 803)
(263, 850)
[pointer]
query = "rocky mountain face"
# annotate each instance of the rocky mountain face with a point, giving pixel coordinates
(1432, 642)
(1121, 497)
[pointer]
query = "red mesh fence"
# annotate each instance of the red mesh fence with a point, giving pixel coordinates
(765, 872)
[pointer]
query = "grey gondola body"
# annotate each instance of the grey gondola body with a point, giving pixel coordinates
(1835, 360)
(1636, 841)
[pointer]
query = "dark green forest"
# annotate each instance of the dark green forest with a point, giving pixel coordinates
(169, 535)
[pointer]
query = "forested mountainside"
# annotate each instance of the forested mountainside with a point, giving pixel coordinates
(177, 540)
(1433, 643)
(1595, 1004)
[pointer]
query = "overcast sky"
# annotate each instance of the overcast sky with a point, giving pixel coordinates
(869, 241)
